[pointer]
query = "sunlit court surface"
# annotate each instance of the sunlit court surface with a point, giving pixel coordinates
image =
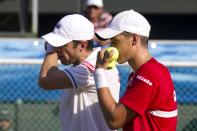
(25, 106)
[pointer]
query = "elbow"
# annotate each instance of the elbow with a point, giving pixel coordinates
(42, 84)
(113, 125)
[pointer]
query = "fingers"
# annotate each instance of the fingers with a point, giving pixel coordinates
(103, 58)
(100, 55)
(99, 63)
(50, 48)
(108, 55)
(104, 55)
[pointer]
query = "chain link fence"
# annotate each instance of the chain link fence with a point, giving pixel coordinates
(32, 109)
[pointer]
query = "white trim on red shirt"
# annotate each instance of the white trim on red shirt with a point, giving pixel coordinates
(165, 114)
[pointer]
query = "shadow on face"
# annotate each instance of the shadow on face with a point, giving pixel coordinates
(68, 54)
(74, 52)
(125, 46)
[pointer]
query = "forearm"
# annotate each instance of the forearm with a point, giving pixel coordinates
(51, 78)
(107, 103)
(50, 61)
(115, 114)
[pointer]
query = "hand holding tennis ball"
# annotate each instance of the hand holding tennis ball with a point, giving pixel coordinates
(113, 55)
(107, 58)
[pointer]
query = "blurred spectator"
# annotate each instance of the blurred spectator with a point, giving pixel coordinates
(5, 120)
(99, 17)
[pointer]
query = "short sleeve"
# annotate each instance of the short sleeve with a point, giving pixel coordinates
(79, 76)
(138, 95)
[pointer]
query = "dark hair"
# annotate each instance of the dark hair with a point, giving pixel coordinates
(89, 47)
(143, 39)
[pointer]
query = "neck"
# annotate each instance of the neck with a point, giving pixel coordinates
(139, 59)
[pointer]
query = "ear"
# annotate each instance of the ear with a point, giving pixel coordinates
(135, 39)
(83, 45)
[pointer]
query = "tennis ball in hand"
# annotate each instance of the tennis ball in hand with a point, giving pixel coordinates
(113, 59)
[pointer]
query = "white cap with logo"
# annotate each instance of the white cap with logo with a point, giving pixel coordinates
(128, 21)
(70, 27)
(98, 3)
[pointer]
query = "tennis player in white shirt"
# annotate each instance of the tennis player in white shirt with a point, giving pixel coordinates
(71, 43)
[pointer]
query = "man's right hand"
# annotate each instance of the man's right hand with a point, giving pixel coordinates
(103, 58)
(49, 48)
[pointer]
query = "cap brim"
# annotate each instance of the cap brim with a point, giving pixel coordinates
(56, 40)
(107, 33)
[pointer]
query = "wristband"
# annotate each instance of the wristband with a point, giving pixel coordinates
(100, 78)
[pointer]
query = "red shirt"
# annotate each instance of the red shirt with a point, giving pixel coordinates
(150, 94)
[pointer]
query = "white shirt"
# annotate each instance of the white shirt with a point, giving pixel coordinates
(79, 107)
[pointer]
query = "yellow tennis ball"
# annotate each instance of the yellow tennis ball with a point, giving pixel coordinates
(113, 59)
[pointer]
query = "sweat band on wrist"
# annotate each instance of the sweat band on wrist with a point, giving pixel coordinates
(100, 78)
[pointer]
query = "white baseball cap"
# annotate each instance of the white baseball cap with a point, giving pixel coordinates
(70, 27)
(128, 21)
(98, 3)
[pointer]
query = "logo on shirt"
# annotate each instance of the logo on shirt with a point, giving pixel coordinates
(144, 80)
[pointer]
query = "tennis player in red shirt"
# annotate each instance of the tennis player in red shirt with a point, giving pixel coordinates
(149, 103)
